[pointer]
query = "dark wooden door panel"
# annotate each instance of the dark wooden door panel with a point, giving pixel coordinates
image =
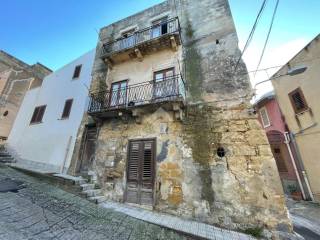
(89, 149)
(140, 172)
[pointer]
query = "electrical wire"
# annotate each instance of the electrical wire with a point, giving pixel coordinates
(268, 35)
(251, 33)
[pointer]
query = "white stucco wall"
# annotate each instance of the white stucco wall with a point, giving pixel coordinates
(45, 145)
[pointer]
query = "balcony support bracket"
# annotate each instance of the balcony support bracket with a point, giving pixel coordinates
(108, 61)
(137, 114)
(139, 54)
(178, 113)
(173, 43)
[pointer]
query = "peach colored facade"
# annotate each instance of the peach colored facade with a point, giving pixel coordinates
(298, 97)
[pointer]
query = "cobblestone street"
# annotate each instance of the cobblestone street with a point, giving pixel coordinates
(42, 211)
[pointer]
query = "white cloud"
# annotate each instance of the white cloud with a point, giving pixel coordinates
(274, 56)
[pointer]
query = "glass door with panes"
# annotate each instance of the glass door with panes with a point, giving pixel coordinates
(159, 27)
(164, 83)
(118, 94)
(128, 40)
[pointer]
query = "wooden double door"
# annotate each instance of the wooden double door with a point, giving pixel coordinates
(88, 149)
(140, 172)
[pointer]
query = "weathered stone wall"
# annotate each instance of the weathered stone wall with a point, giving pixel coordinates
(239, 190)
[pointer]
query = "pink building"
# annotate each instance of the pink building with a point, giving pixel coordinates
(277, 131)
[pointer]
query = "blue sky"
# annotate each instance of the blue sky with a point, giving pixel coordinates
(56, 32)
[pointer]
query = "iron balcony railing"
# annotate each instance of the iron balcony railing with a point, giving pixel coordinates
(155, 31)
(162, 90)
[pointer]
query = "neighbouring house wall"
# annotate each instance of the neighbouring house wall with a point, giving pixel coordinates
(15, 80)
(240, 190)
(275, 116)
(49, 144)
(278, 126)
(307, 135)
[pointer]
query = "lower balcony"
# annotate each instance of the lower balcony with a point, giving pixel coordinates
(128, 98)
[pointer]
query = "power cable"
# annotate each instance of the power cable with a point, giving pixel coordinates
(251, 33)
(268, 35)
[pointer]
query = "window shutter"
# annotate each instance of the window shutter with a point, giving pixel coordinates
(38, 114)
(132, 194)
(34, 115)
(77, 71)
(41, 113)
(67, 108)
(146, 196)
(298, 101)
(264, 117)
(133, 165)
(147, 161)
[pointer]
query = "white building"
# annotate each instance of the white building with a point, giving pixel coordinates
(44, 132)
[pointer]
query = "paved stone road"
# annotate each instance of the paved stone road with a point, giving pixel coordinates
(305, 217)
(42, 211)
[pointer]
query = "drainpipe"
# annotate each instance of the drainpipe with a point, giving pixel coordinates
(287, 141)
(66, 154)
(292, 137)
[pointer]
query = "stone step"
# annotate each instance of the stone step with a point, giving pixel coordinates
(93, 193)
(4, 154)
(81, 181)
(87, 186)
(6, 159)
(98, 199)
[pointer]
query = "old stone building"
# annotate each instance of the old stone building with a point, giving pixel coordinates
(169, 124)
(16, 78)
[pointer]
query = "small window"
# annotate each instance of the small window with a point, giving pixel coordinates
(38, 114)
(298, 101)
(67, 109)
(264, 117)
(77, 70)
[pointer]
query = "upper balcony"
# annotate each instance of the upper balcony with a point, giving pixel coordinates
(162, 34)
(124, 98)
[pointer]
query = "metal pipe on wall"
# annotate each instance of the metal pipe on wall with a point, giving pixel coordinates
(287, 141)
(293, 139)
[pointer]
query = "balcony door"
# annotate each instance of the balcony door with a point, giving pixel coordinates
(140, 172)
(128, 39)
(164, 83)
(159, 27)
(118, 94)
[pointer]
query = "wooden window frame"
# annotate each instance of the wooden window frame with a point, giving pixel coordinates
(164, 71)
(76, 72)
(118, 93)
(66, 112)
(38, 114)
(296, 110)
(267, 115)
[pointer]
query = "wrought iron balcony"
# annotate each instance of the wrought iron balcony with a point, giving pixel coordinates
(131, 96)
(163, 34)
